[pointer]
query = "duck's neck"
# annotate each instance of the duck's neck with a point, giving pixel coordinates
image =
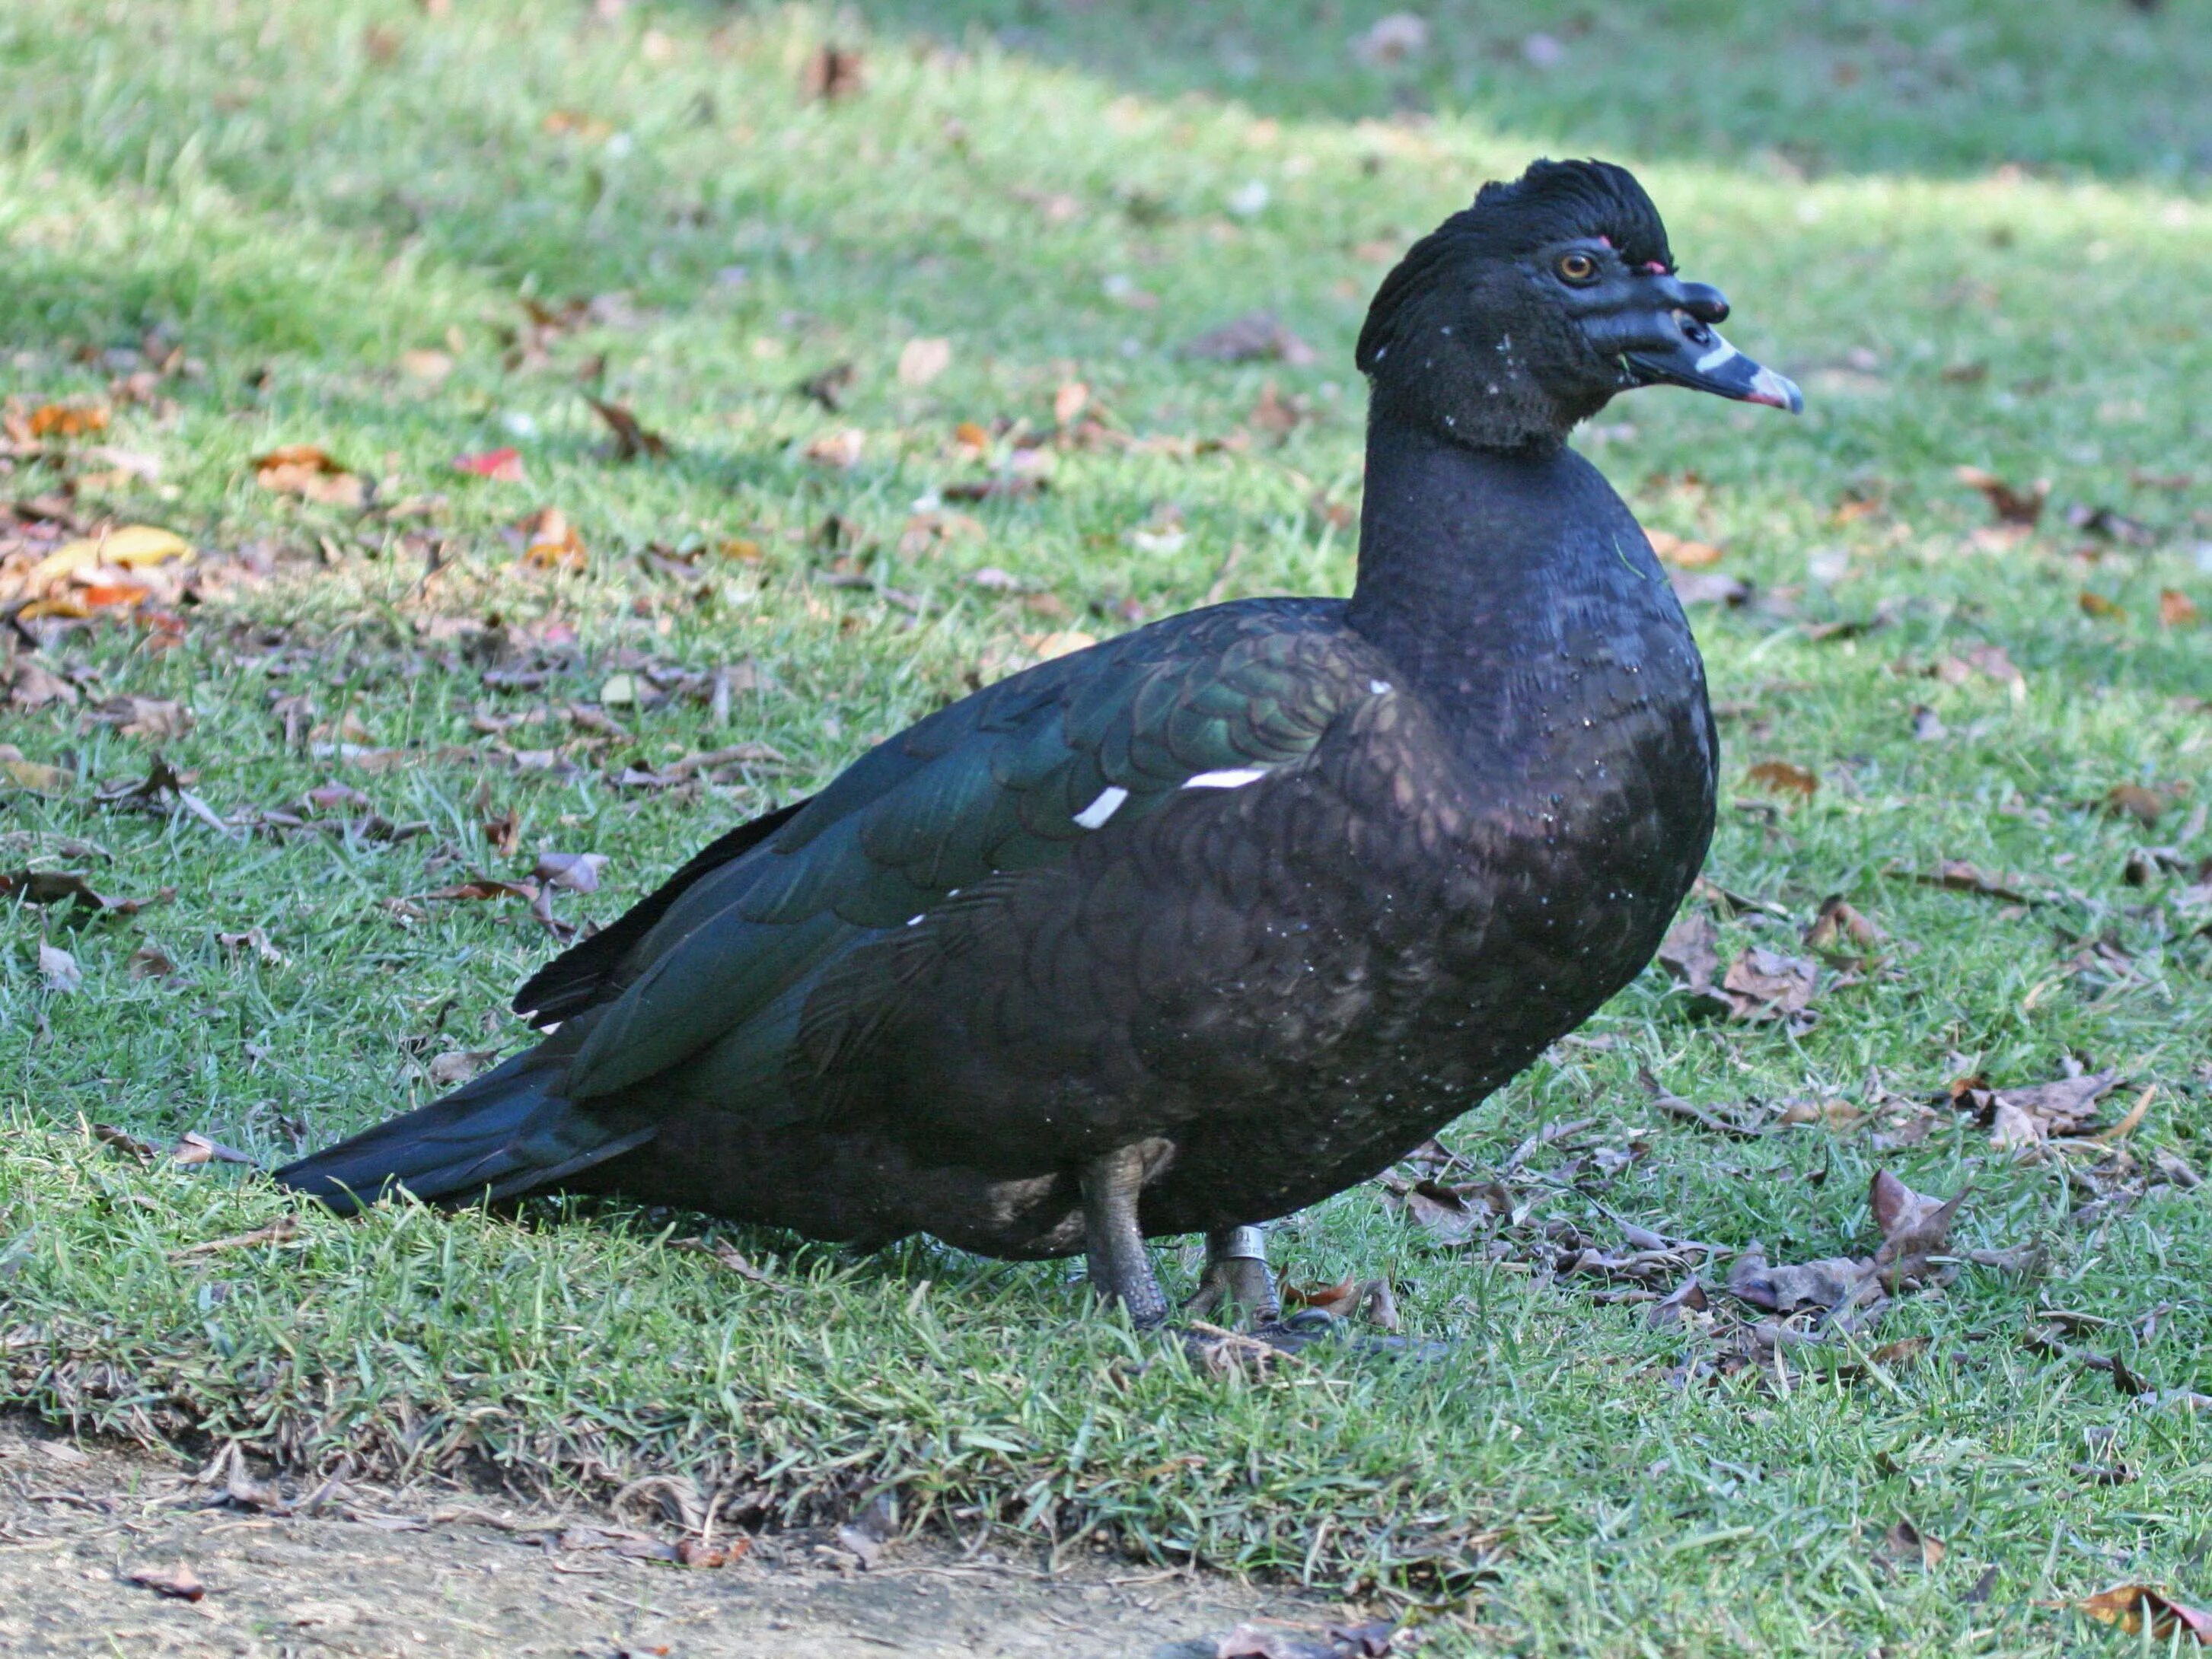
(1495, 578)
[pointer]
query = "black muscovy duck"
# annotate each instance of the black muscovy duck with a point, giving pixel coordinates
(1188, 930)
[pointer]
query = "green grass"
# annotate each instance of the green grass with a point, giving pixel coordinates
(297, 196)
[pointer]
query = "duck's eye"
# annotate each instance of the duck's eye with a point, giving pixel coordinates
(1577, 268)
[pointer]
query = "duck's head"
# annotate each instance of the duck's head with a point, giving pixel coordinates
(1524, 314)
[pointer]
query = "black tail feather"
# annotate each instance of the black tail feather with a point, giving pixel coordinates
(505, 1134)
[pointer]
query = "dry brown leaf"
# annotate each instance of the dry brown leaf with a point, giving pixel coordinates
(841, 448)
(725, 1254)
(157, 718)
(1914, 1226)
(2176, 608)
(255, 940)
(1834, 1282)
(456, 1065)
(33, 685)
(1960, 877)
(1070, 401)
(1764, 985)
(66, 886)
(551, 542)
(579, 872)
(2145, 807)
(1840, 929)
(179, 1583)
(1681, 552)
(1785, 777)
(1257, 336)
(922, 360)
(832, 73)
(193, 1148)
(2134, 1608)
(73, 420)
(279, 1231)
(58, 967)
(632, 440)
(2096, 604)
(2012, 506)
(311, 474)
(1906, 1544)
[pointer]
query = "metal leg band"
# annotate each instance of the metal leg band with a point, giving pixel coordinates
(1245, 1243)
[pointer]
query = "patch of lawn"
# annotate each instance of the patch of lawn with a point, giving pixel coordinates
(297, 199)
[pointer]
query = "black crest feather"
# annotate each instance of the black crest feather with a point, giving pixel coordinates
(1552, 202)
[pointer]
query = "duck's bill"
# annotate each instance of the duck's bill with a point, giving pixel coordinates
(1713, 365)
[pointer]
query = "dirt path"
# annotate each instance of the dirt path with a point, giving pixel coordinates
(379, 1574)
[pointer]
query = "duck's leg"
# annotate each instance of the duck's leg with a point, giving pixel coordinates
(1236, 1277)
(1112, 1246)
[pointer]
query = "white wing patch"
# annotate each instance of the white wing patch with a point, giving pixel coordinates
(1110, 800)
(1234, 778)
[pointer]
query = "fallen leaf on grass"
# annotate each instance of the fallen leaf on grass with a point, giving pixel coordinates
(830, 386)
(1766, 985)
(833, 73)
(151, 962)
(33, 685)
(157, 718)
(456, 1065)
(1785, 777)
(179, 1583)
(72, 420)
(841, 449)
(1681, 552)
(1255, 336)
(921, 360)
(127, 547)
(1370, 1299)
(255, 940)
(67, 886)
(193, 1148)
(1444, 1212)
(2135, 1608)
(2096, 604)
(1989, 661)
(727, 1255)
(1840, 930)
(279, 1231)
(1391, 40)
(631, 439)
(311, 474)
(1906, 1544)
(124, 1142)
(1914, 1227)
(2027, 1116)
(2176, 608)
(579, 872)
(1687, 1297)
(36, 777)
(1960, 877)
(1709, 587)
(2109, 525)
(551, 542)
(162, 790)
(1760, 985)
(2132, 801)
(58, 967)
(2012, 506)
(500, 465)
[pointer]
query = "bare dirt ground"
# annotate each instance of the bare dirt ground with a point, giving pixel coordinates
(383, 1572)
